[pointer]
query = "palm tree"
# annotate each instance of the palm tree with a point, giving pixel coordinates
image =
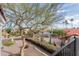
(72, 22)
(66, 23)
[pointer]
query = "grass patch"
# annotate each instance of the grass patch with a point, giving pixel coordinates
(8, 43)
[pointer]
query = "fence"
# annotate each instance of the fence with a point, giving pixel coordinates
(67, 50)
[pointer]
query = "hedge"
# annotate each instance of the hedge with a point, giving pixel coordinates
(44, 45)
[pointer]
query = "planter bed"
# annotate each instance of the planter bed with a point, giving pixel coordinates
(49, 48)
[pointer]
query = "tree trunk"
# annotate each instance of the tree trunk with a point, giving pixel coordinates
(33, 36)
(50, 40)
(24, 44)
(20, 30)
(42, 37)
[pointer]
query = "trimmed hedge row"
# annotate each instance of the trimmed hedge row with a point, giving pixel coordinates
(49, 48)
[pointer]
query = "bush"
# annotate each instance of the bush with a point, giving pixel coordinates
(29, 33)
(8, 30)
(15, 34)
(59, 32)
(44, 45)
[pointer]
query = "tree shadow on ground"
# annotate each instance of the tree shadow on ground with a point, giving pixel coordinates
(11, 54)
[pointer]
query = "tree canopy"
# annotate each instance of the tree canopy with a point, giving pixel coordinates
(32, 15)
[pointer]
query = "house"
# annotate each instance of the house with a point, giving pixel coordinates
(72, 32)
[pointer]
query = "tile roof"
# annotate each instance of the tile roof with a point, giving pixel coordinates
(71, 32)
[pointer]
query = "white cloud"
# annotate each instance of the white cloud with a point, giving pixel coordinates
(60, 11)
(75, 22)
(75, 16)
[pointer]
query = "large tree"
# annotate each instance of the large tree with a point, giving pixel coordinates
(31, 16)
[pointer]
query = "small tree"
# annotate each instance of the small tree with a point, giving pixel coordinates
(59, 32)
(72, 22)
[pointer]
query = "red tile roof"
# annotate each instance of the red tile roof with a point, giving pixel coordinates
(71, 32)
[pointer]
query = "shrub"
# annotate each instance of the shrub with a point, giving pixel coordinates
(59, 32)
(44, 45)
(8, 30)
(29, 33)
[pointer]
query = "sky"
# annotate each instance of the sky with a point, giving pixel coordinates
(71, 11)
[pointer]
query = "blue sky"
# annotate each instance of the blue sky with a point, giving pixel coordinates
(70, 11)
